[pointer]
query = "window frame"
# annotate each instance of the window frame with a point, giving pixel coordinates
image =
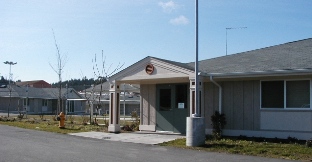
(285, 94)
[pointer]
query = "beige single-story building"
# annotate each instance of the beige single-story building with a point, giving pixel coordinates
(263, 93)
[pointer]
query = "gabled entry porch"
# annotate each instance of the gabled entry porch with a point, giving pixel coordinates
(165, 90)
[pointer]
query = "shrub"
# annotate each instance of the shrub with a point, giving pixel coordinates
(70, 118)
(85, 120)
(134, 115)
(292, 139)
(309, 143)
(134, 126)
(54, 118)
(126, 128)
(41, 116)
(218, 123)
(106, 123)
(6, 119)
(20, 116)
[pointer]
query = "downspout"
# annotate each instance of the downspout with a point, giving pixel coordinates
(220, 93)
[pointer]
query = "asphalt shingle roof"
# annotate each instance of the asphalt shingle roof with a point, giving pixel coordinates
(105, 87)
(45, 93)
(288, 56)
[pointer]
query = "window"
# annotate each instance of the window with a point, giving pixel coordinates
(70, 106)
(165, 99)
(26, 101)
(285, 94)
(44, 102)
(181, 96)
(298, 94)
(272, 94)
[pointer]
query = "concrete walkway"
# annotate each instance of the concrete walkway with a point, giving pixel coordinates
(151, 138)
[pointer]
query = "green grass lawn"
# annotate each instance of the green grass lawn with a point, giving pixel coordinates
(292, 151)
(73, 124)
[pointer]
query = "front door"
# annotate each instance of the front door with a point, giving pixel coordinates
(172, 107)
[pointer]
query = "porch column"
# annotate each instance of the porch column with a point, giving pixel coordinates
(195, 124)
(200, 97)
(114, 109)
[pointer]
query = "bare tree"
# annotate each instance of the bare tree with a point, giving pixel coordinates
(102, 74)
(88, 98)
(61, 61)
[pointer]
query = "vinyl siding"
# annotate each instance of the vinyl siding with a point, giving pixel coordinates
(148, 99)
(240, 104)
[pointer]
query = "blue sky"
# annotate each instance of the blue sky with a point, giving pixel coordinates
(129, 30)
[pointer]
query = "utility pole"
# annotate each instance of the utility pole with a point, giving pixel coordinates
(26, 100)
(226, 29)
(66, 107)
(92, 100)
(195, 125)
(196, 113)
(10, 74)
(10, 87)
(124, 105)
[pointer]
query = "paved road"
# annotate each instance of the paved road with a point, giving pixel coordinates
(17, 144)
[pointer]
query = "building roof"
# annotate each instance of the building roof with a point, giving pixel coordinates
(295, 55)
(44, 93)
(33, 82)
(29, 82)
(288, 56)
(183, 65)
(105, 87)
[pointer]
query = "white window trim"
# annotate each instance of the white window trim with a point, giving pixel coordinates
(285, 108)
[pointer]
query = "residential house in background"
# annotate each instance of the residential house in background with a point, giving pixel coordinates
(39, 100)
(34, 83)
(263, 93)
(98, 97)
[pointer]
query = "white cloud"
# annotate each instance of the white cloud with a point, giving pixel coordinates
(168, 6)
(181, 20)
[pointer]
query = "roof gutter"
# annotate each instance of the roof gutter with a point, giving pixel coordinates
(220, 93)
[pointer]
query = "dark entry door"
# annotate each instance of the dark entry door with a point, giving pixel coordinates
(172, 101)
